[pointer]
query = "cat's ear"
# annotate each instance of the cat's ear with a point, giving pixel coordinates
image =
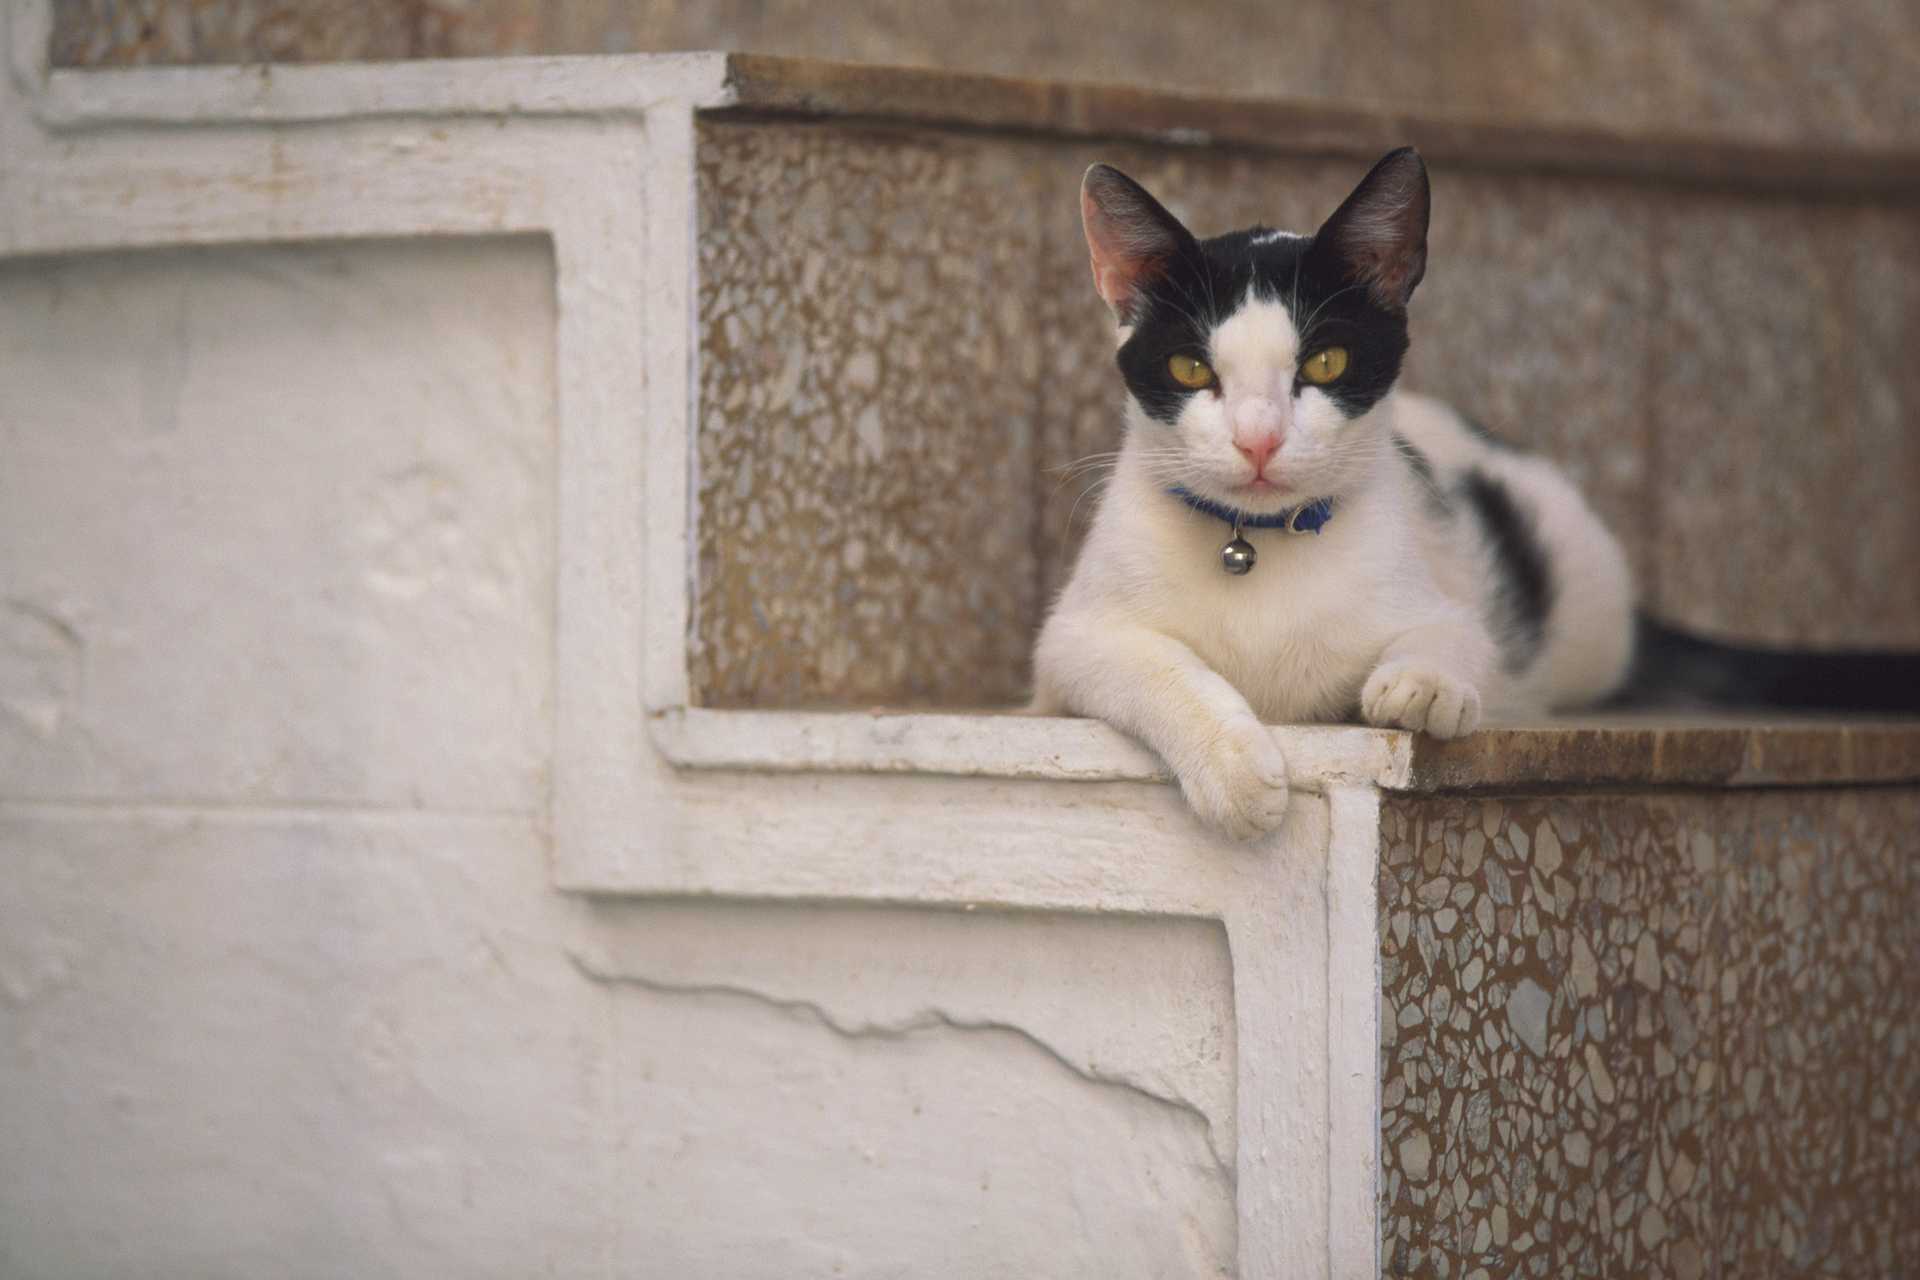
(1130, 236)
(1379, 233)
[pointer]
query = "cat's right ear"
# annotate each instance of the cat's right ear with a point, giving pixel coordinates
(1130, 236)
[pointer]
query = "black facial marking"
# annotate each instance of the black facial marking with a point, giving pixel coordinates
(1525, 594)
(1200, 288)
(1438, 500)
(1346, 286)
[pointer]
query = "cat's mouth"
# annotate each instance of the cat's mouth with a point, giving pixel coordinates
(1258, 490)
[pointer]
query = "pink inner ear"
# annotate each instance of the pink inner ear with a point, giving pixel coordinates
(1114, 286)
(1113, 276)
(1387, 254)
(1386, 269)
(1124, 254)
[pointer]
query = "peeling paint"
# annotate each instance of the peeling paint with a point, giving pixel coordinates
(925, 1019)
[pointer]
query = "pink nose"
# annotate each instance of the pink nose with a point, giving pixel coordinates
(1259, 450)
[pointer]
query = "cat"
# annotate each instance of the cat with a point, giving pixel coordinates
(1385, 557)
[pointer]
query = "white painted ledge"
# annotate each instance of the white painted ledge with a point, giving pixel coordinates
(628, 85)
(988, 745)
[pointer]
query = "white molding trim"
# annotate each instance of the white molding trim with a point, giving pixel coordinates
(1320, 757)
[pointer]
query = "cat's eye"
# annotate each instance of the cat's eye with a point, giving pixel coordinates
(1190, 373)
(1325, 365)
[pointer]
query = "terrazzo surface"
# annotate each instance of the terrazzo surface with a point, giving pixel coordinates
(1662, 1035)
(1788, 405)
(868, 397)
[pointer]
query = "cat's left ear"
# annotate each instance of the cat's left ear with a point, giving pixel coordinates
(1130, 235)
(1379, 233)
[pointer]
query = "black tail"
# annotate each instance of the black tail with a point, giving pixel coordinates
(1674, 668)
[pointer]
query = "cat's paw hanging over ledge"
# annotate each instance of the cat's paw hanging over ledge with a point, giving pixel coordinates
(1240, 787)
(1407, 695)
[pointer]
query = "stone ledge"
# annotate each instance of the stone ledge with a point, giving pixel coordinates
(750, 85)
(1585, 752)
(1667, 751)
(763, 85)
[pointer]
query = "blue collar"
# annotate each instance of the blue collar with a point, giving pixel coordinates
(1308, 517)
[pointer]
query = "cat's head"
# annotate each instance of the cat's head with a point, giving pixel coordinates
(1253, 359)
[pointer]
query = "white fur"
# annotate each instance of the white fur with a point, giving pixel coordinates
(1382, 612)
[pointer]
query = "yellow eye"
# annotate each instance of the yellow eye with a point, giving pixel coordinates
(1325, 365)
(1189, 372)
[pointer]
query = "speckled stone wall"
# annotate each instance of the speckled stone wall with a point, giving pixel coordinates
(1786, 449)
(1667, 1035)
(906, 384)
(1767, 69)
(869, 377)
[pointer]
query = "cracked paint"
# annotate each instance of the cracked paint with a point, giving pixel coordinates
(924, 1019)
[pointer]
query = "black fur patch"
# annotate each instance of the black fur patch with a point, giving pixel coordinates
(1204, 285)
(1676, 668)
(1438, 500)
(1524, 596)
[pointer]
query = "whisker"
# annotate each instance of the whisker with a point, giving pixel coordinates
(1095, 487)
(1088, 462)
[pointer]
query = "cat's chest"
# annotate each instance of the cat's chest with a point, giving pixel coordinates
(1296, 636)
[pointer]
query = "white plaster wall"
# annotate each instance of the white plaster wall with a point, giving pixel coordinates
(277, 524)
(283, 1044)
(285, 988)
(875, 1092)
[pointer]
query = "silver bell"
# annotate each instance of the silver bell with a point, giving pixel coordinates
(1237, 557)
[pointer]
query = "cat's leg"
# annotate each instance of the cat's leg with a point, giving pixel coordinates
(1429, 680)
(1157, 689)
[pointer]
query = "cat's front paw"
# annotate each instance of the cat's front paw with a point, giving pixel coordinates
(1240, 788)
(1408, 696)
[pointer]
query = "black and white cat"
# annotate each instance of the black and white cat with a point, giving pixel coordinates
(1383, 555)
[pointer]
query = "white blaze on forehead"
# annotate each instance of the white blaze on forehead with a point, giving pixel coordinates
(1255, 350)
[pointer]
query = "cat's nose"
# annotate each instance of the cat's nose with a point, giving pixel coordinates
(1258, 450)
(1259, 424)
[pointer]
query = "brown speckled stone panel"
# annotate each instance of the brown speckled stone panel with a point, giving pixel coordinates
(1695, 1037)
(1820, 1096)
(96, 33)
(481, 28)
(1725, 67)
(1784, 397)
(1535, 319)
(868, 381)
(1546, 1046)
(1880, 254)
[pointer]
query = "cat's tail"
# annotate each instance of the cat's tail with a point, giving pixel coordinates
(1676, 668)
